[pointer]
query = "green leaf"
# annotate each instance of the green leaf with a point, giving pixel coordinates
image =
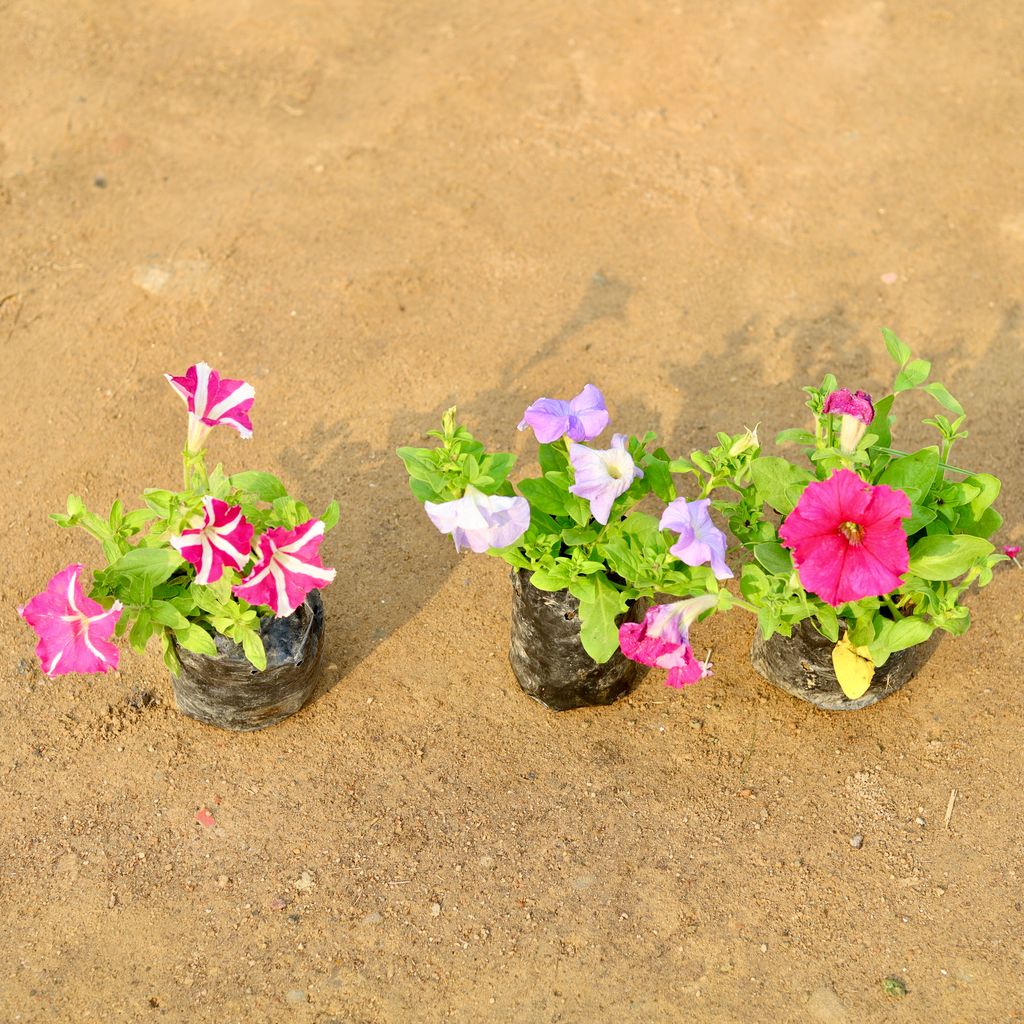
(167, 615)
(545, 496)
(912, 474)
(159, 500)
(920, 517)
(898, 636)
(554, 578)
(598, 629)
(943, 397)
(141, 631)
(945, 557)
(794, 435)
(552, 458)
(196, 639)
(827, 622)
(153, 565)
(897, 349)
(170, 655)
(330, 516)
(775, 558)
(912, 375)
(265, 486)
(778, 481)
(252, 645)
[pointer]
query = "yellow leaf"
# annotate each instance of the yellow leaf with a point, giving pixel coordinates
(854, 668)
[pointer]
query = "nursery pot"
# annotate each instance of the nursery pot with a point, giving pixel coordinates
(547, 655)
(227, 691)
(801, 665)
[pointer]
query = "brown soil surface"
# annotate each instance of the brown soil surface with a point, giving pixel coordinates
(375, 210)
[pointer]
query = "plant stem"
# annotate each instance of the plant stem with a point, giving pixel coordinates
(942, 465)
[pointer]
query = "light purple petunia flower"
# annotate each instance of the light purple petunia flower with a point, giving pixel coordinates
(213, 400)
(481, 521)
(601, 476)
(700, 541)
(582, 417)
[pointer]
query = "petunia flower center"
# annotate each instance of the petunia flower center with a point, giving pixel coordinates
(614, 472)
(853, 532)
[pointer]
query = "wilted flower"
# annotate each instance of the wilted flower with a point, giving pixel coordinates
(1012, 551)
(857, 411)
(213, 400)
(481, 521)
(744, 443)
(847, 538)
(74, 631)
(662, 639)
(700, 541)
(582, 417)
(217, 537)
(601, 476)
(287, 569)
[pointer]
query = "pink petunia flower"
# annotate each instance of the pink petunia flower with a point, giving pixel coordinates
(847, 538)
(1012, 551)
(481, 521)
(662, 639)
(581, 418)
(213, 400)
(287, 569)
(217, 537)
(74, 631)
(857, 410)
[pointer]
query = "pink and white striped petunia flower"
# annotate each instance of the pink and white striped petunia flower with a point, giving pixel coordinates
(74, 631)
(217, 537)
(213, 400)
(287, 569)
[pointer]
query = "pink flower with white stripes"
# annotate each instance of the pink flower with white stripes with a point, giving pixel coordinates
(287, 569)
(219, 536)
(74, 631)
(213, 400)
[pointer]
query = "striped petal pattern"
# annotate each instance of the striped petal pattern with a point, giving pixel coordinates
(219, 536)
(287, 569)
(74, 631)
(213, 400)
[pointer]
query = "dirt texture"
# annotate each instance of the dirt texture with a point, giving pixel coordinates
(374, 210)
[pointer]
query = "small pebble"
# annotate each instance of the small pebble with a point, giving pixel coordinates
(857, 841)
(920, 820)
(435, 909)
(100, 181)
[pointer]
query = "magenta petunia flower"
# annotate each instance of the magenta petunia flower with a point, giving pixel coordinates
(700, 541)
(287, 569)
(582, 417)
(217, 537)
(74, 631)
(481, 521)
(662, 639)
(601, 476)
(213, 400)
(857, 411)
(1012, 551)
(847, 539)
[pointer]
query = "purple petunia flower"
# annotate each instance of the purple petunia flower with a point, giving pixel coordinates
(481, 521)
(582, 417)
(601, 476)
(700, 541)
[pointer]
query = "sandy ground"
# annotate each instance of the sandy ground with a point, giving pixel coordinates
(373, 211)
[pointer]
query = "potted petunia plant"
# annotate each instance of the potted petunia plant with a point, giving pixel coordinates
(586, 560)
(225, 571)
(859, 552)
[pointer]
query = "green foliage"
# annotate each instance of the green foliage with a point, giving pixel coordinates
(157, 586)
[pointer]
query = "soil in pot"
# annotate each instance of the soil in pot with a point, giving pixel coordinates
(547, 655)
(802, 666)
(228, 692)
